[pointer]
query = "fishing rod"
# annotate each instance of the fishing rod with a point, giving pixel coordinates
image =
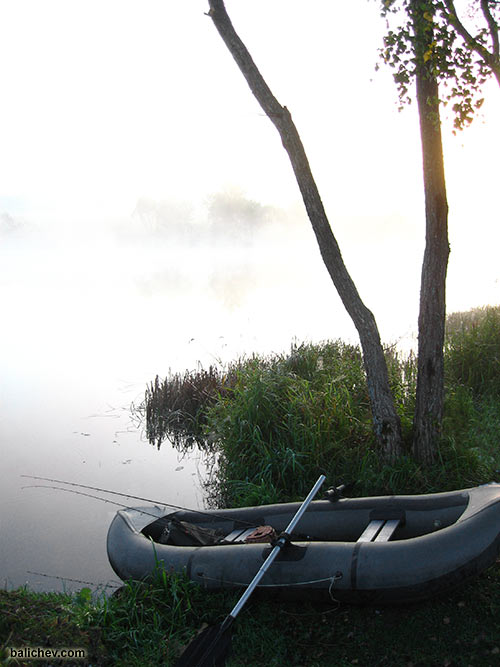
(159, 520)
(146, 500)
(89, 495)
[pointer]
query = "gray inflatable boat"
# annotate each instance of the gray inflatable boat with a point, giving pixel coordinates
(387, 549)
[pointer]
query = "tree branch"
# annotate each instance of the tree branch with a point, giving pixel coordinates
(493, 26)
(452, 18)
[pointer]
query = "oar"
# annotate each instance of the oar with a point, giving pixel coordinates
(210, 647)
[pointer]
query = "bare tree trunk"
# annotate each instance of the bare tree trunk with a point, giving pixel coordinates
(430, 379)
(387, 424)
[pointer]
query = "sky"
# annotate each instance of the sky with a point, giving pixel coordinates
(120, 122)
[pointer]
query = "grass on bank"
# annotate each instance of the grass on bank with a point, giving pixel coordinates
(147, 624)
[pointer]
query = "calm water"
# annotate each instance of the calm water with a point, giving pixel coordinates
(90, 439)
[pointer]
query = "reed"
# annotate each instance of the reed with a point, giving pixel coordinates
(176, 407)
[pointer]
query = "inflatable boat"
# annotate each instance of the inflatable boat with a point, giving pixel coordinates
(386, 549)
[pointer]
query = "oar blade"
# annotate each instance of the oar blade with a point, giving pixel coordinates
(208, 649)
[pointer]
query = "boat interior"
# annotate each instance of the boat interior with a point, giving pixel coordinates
(378, 520)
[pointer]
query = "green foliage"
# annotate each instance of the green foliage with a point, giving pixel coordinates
(48, 619)
(431, 33)
(290, 417)
(473, 351)
(148, 623)
(286, 418)
(142, 623)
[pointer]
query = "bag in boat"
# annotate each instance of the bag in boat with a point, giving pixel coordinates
(184, 534)
(261, 535)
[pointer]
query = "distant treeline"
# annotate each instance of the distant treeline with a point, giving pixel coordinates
(225, 217)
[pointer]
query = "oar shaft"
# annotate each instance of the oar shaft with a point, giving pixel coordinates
(305, 504)
(203, 651)
(281, 542)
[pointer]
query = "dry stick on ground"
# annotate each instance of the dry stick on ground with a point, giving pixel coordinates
(386, 422)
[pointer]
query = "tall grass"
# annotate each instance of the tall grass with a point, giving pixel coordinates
(276, 422)
(287, 419)
(147, 623)
(473, 350)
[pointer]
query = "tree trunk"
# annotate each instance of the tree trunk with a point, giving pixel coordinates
(386, 422)
(431, 322)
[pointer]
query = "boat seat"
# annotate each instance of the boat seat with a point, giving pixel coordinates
(379, 530)
(238, 536)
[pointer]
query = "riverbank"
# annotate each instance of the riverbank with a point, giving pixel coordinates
(149, 624)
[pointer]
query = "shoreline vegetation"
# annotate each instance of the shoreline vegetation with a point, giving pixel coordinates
(271, 426)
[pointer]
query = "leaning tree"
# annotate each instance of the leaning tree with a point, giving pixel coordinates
(387, 425)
